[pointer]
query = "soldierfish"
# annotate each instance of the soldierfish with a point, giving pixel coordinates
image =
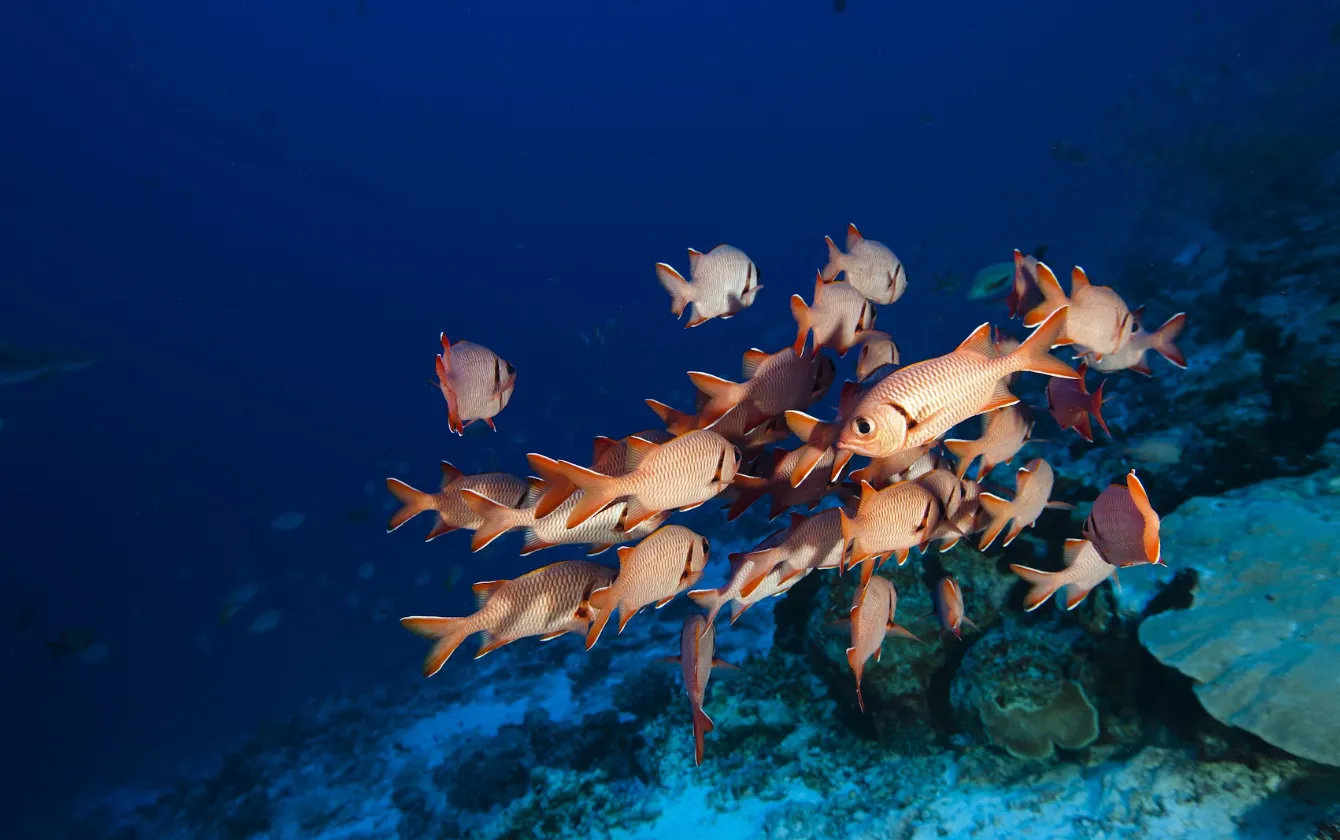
(682, 473)
(1132, 356)
(905, 465)
(868, 265)
(725, 281)
(809, 492)
(732, 426)
(892, 520)
(820, 437)
(959, 498)
(547, 602)
(741, 566)
(475, 382)
(1033, 487)
(778, 580)
(652, 572)
(920, 402)
(1097, 319)
(813, 542)
(1004, 433)
(1084, 569)
(452, 511)
(1024, 293)
(496, 518)
(1123, 525)
(697, 657)
(774, 383)
(876, 351)
(949, 608)
(601, 532)
(838, 314)
(1070, 404)
(872, 616)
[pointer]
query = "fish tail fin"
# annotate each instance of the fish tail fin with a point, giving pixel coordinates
(764, 562)
(806, 460)
(1001, 512)
(558, 486)
(443, 366)
(1053, 298)
(494, 514)
(722, 395)
(601, 605)
(710, 600)
(965, 451)
(676, 422)
(446, 633)
(801, 312)
(681, 292)
(1096, 408)
(702, 724)
(1163, 340)
(1035, 356)
(412, 503)
(834, 266)
(1043, 585)
(748, 490)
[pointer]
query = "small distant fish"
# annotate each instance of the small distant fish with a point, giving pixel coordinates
(1132, 356)
(1033, 488)
(265, 622)
(992, 281)
(451, 509)
(1084, 569)
(453, 576)
(1004, 433)
(19, 365)
(1071, 153)
(652, 572)
(1071, 404)
(725, 282)
(774, 383)
(475, 382)
(1156, 449)
(876, 352)
(288, 521)
(71, 642)
(367, 570)
(869, 266)
(837, 315)
(697, 657)
(949, 608)
(237, 600)
(872, 617)
(1097, 319)
(424, 576)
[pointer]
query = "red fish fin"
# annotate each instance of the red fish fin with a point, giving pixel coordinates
(549, 637)
(1163, 340)
(978, 341)
(791, 575)
(534, 543)
(1044, 585)
(449, 474)
(626, 615)
(949, 542)
(491, 424)
(1141, 368)
(834, 266)
(1096, 409)
(564, 478)
(484, 590)
(697, 320)
(1078, 280)
(902, 632)
(600, 445)
(738, 610)
(446, 633)
(490, 643)
(1000, 398)
(638, 450)
(1014, 300)
(853, 236)
(601, 605)
(764, 562)
(1053, 298)
(597, 548)
(702, 724)
(443, 383)
(749, 489)
(557, 486)
(412, 503)
(753, 359)
(710, 600)
(440, 528)
(722, 396)
(901, 555)
(840, 460)
(681, 293)
(801, 313)
(808, 458)
(867, 564)
(492, 513)
(803, 425)
(1034, 355)
(634, 514)
(718, 662)
(1150, 538)
(1084, 428)
(676, 422)
(965, 451)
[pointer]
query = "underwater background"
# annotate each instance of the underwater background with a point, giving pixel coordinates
(233, 232)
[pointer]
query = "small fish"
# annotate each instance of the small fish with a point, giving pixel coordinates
(1084, 569)
(19, 365)
(1156, 449)
(904, 465)
(367, 570)
(872, 617)
(838, 315)
(652, 572)
(1004, 433)
(1096, 319)
(725, 282)
(265, 622)
(451, 509)
(743, 571)
(683, 473)
(1070, 404)
(1033, 486)
(1024, 293)
(1132, 356)
(548, 602)
(497, 518)
(813, 542)
(959, 496)
(889, 521)
(697, 657)
(453, 576)
(288, 521)
(992, 281)
(475, 382)
(949, 608)
(869, 266)
(774, 383)
(920, 402)
(876, 352)
(1123, 525)
(810, 491)
(71, 642)
(732, 426)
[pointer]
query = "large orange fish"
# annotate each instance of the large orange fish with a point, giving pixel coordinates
(682, 473)
(697, 657)
(652, 572)
(1123, 525)
(547, 602)
(1004, 433)
(452, 511)
(475, 382)
(773, 384)
(872, 617)
(1084, 569)
(725, 282)
(1070, 404)
(1097, 319)
(1033, 488)
(920, 402)
(868, 265)
(889, 521)
(1132, 356)
(838, 317)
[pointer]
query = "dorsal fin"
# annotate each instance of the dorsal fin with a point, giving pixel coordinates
(850, 392)
(449, 474)
(819, 284)
(979, 341)
(853, 235)
(694, 256)
(867, 492)
(623, 551)
(536, 489)
(752, 359)
(797, 518)
(638, 449)
(1078, 280)
(484, 590)
(601, 445)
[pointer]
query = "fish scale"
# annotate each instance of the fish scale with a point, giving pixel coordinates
(1033, 487)
(891, 519)
(813, 543)
(600, 530)
(1116, 528)
(782, 381)
(682, 472)
(449, 505)
(954, 387)
(478, 380)
(651, 572)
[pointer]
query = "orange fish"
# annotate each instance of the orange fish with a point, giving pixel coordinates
(1123, 525)
(601, 532)
(813, 542)
(1024, 293)
(949, 608)
(778, 580)
(838, 314)
(475, 382)
(682, 473)
(725, 282)
(868, 265)
(809, 492)
(741, 565)
(876, 351)
(1033, 486)
(1070, 403)
(1084, 569)
(821, 437)
(697, 657)
(959, 496)
(1005, 345)
(452, 511)
(773, 384)
(920, 402)
(906, 465)
(1132, 356)
(889, 521)
(547, 602)
(872, 615)
(731, 426)
(1004, 433)
(653, 571)
(1097, 319)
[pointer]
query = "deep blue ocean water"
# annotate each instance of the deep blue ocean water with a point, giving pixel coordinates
(258, 217)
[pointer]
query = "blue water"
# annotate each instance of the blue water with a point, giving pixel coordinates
(259, 216)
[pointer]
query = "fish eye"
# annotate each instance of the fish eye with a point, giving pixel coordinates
(707, 547)
(863, 426)
(738, 455)
(510, 370)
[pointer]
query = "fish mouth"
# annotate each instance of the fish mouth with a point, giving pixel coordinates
(854, 448)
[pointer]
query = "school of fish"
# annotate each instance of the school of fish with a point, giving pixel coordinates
(912, 491)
